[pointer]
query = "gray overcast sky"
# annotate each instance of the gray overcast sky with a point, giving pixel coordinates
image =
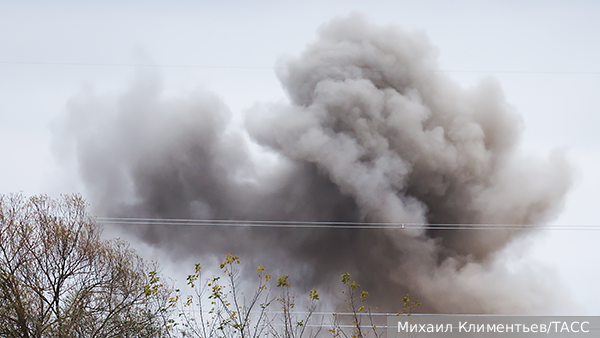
(544, 54)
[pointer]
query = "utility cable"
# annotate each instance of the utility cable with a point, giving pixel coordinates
(332, 224)
(108, 64)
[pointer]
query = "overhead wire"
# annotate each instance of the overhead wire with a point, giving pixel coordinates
(333, 224)
(110, 64)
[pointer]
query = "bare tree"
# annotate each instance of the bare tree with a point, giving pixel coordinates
(361, 323)
(58, 278)
(235, 311)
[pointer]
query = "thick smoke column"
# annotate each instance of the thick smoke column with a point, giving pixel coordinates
(373, 133)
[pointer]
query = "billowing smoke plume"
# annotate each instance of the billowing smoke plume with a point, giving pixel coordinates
(373, 133)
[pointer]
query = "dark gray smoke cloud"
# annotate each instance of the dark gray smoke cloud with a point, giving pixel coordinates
(373, 132)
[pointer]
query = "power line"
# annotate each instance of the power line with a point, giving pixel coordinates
(128, 65)
(333, 225)
(107, 64)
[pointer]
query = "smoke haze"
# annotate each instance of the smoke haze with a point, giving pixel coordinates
(372, 132)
